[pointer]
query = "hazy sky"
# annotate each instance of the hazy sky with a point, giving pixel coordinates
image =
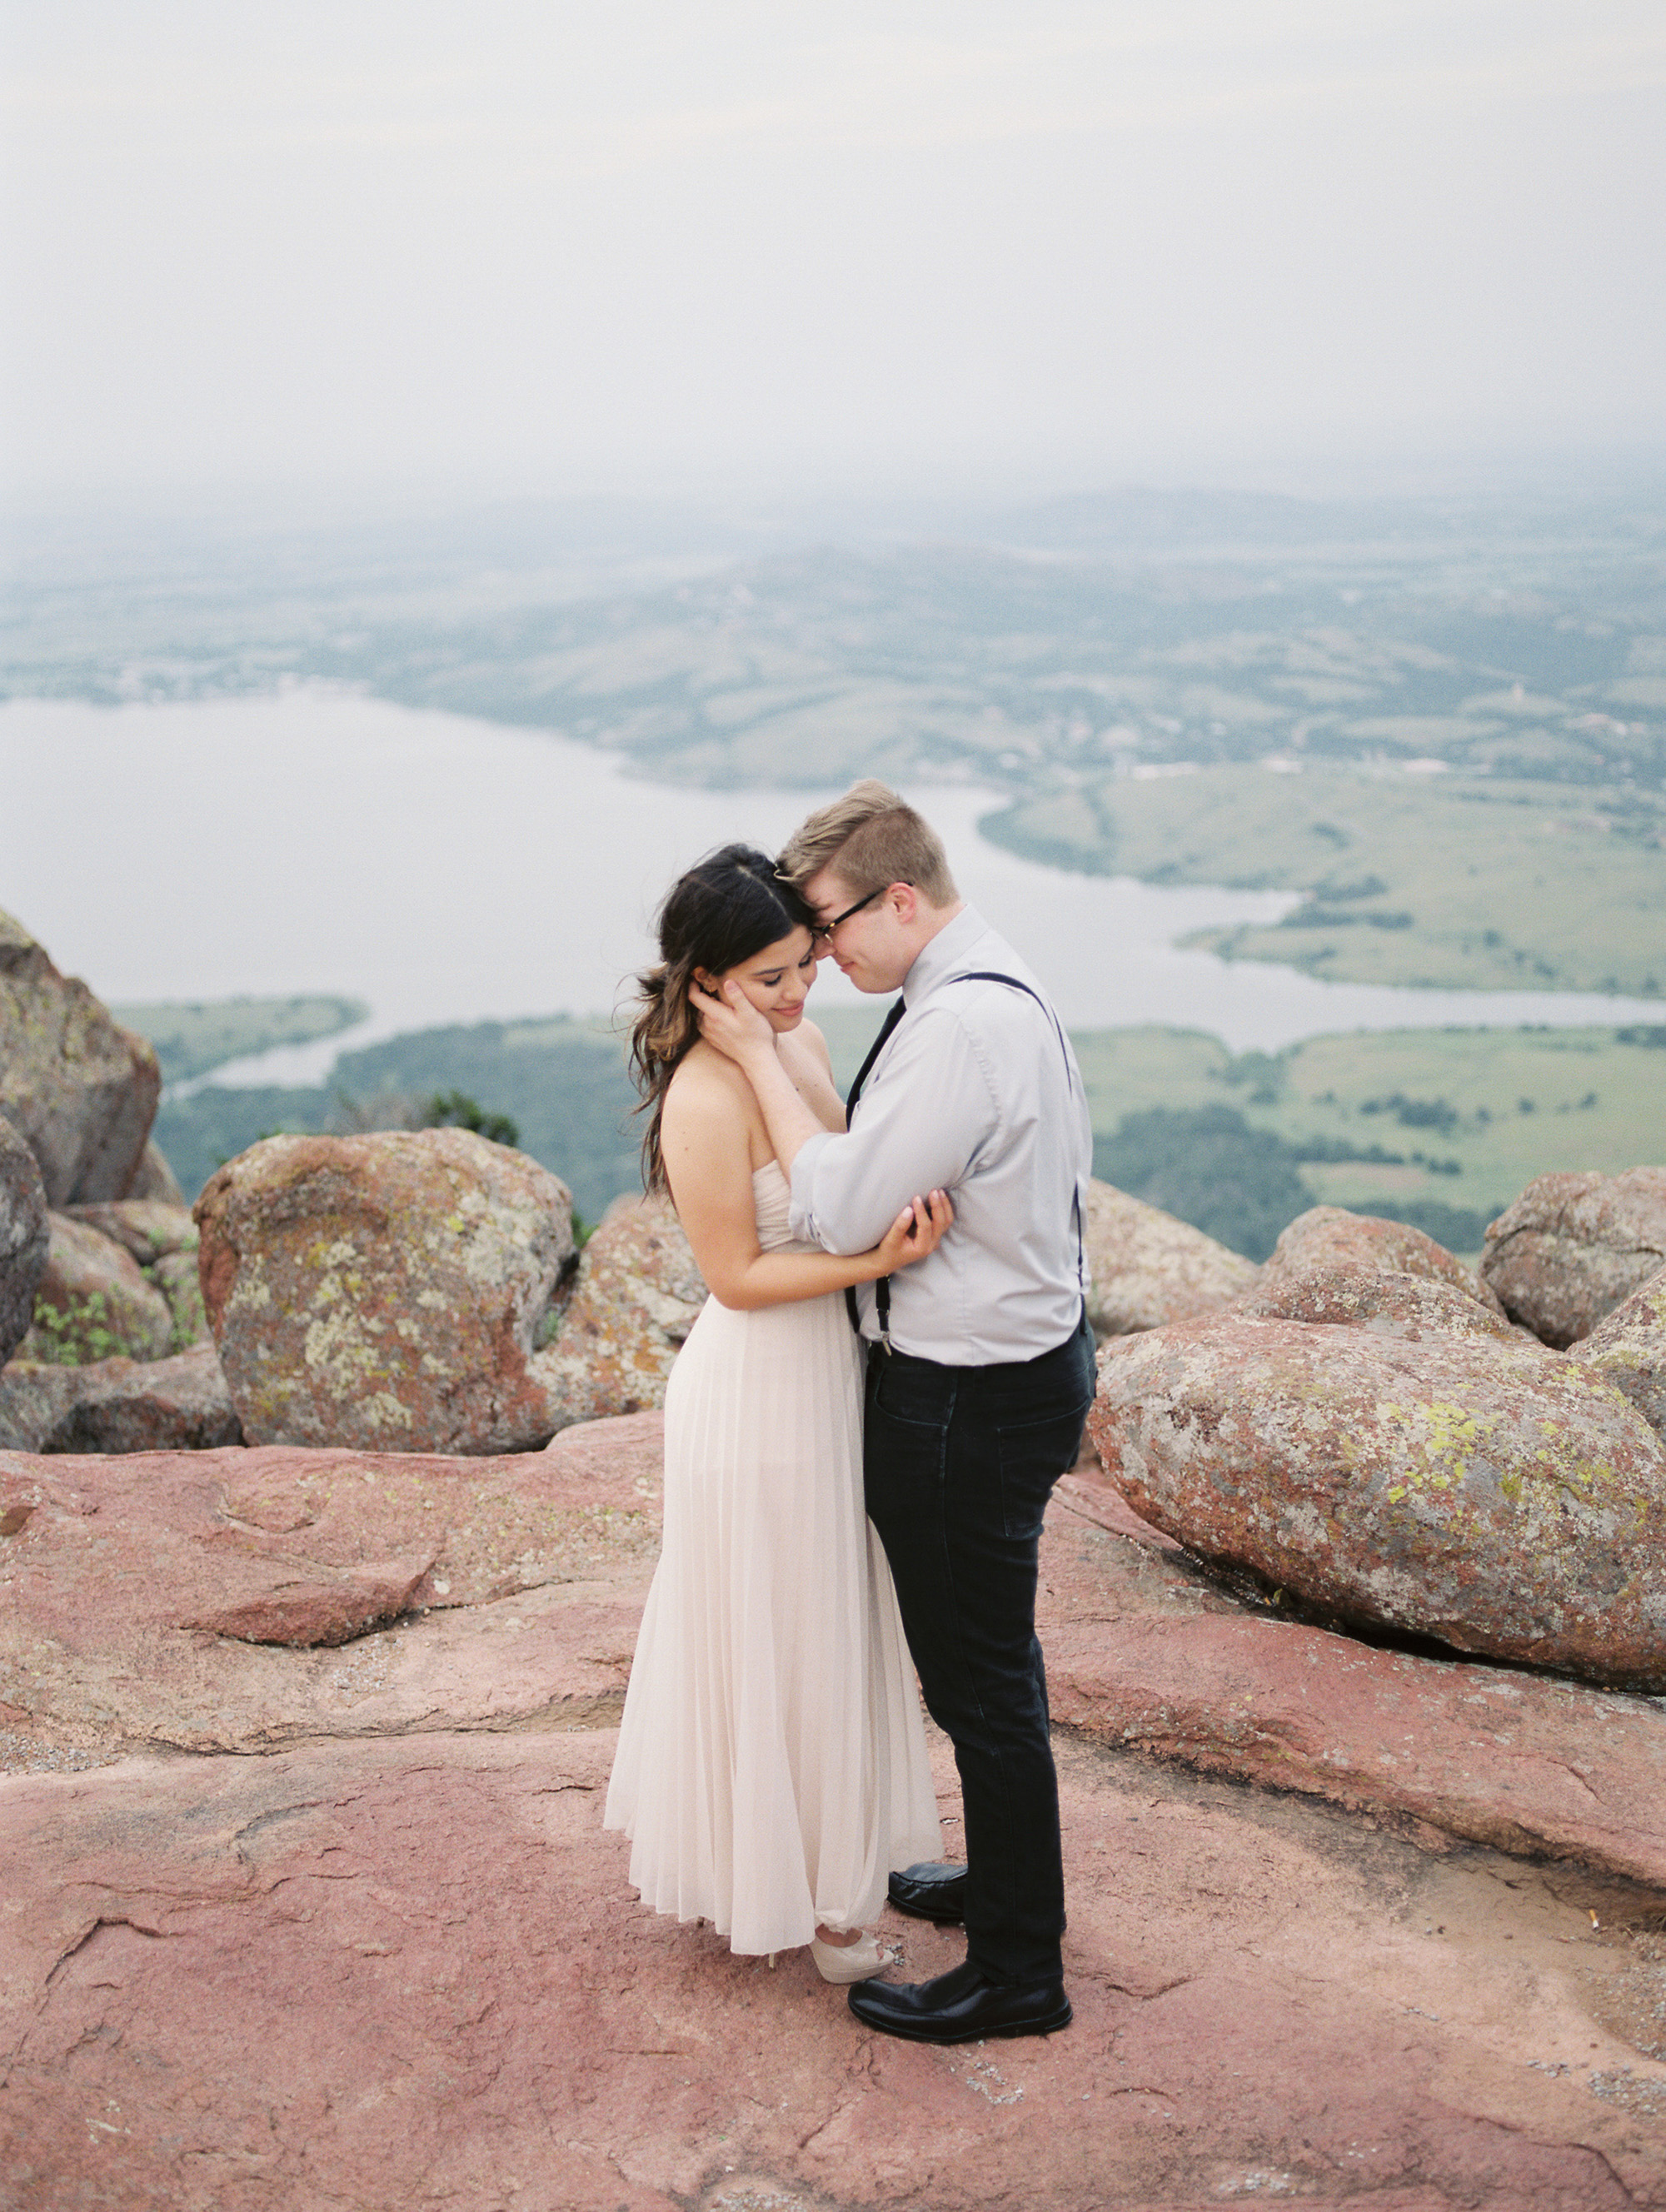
(492, 244)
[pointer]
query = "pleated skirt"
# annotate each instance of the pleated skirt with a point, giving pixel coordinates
(771, 1767)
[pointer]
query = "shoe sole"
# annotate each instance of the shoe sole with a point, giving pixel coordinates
(923, 1912)
(921, 2032)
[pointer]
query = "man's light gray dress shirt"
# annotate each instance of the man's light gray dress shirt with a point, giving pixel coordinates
(977, 1093)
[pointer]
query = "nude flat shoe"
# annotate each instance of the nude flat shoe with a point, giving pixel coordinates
(849, 1962)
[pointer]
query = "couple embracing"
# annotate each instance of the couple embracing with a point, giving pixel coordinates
(846, 1507)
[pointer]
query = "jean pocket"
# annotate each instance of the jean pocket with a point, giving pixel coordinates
(902, 1393)
(1032, 1456)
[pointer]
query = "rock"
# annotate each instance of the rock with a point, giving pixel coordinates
(384, 1291)
(412, 1975)
(637, 1295)
(119, 1405)
(1573, 1247)
(80, 1089)
(94, 1301)
(150, 1228)
(1628, 1350)
(1330, 1237)
(1387, 1302)
(193, 1599)
(1456, 1487)
(1148, 1268)
(25, 1236)
(154, 1179)
(1147, 1653)
(163, 1239)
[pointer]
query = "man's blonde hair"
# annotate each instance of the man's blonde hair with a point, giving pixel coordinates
(870, 838)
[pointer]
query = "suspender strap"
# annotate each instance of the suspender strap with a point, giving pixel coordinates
(882, 1286)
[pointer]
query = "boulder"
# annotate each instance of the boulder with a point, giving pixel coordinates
(25, 1236)
(94, 1301)
(1628, 1349)
(1386, 1300)
(149, 1227)
(1148, 1268)
(1573, 1247)
(119, 1405)
(1456, 1487)
(154, 1178)
(162, 1237)
(80, 1089)
(637, 1295)
(385, 1290)
(1330, 1237)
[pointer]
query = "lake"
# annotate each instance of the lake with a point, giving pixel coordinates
(448, 870)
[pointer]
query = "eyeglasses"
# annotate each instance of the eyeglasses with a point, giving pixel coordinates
(824, 930)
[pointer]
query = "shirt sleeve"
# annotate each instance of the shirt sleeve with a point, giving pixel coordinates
(929, 1111)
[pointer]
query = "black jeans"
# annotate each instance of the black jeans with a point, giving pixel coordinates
(959, 1462)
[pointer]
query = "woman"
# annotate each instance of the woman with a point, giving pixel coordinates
(772, 1766)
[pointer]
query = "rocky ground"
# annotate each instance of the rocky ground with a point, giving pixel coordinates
(313, 1924)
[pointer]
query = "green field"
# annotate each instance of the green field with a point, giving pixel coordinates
(1467, 1117)
(1459, 884)
(1439, 1127)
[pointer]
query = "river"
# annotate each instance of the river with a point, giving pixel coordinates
(448, 870)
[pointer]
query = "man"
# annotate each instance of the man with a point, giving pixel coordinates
(980, 1365)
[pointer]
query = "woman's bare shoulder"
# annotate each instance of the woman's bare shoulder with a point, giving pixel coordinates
(708, 1087)
(816, 1042)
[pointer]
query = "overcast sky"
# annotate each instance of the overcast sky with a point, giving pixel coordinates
(686, 244)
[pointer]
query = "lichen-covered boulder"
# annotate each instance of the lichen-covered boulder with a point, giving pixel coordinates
(1573, 1247)
(1149, 1268)
(1330, 1237)
(1389, 1302)
(149, 1227)
(80, 1089)
(384, 1291)
(119, 1405)
(24, 1237)
(636, 1297)
(1477, 1491)
(1628, 1349)
(163, 1239)
(93, 1303)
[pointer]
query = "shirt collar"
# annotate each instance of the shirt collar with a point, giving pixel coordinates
(944, 956)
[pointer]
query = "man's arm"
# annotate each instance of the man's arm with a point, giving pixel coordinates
(929, 1108)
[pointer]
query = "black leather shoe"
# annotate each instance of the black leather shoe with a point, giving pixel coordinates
(960, 2007)
(933, 1890)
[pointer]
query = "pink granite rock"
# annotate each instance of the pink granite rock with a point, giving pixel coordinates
(80, 1089)
(154, 1179)
(120, 1405)
(1573, 1247)
(147, 1228)
(1628, 1350)
(93, 1303)
(122, 1589)
(385, 1291)
(1330, 1237)
(1388, 1302)
(412, 1978)
(1148, 1268)
(1462, 1488)
(637, 1295)
(25, 1234)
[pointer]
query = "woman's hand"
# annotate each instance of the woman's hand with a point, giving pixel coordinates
(731, 1023)
(918, 1229)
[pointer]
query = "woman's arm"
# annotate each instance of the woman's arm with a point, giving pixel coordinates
(709, 1165)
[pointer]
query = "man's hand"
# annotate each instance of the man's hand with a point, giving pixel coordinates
(733, 1025)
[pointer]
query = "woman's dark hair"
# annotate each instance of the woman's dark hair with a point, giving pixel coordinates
(729, 906)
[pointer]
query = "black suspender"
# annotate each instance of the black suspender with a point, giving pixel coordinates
(882, 1284)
